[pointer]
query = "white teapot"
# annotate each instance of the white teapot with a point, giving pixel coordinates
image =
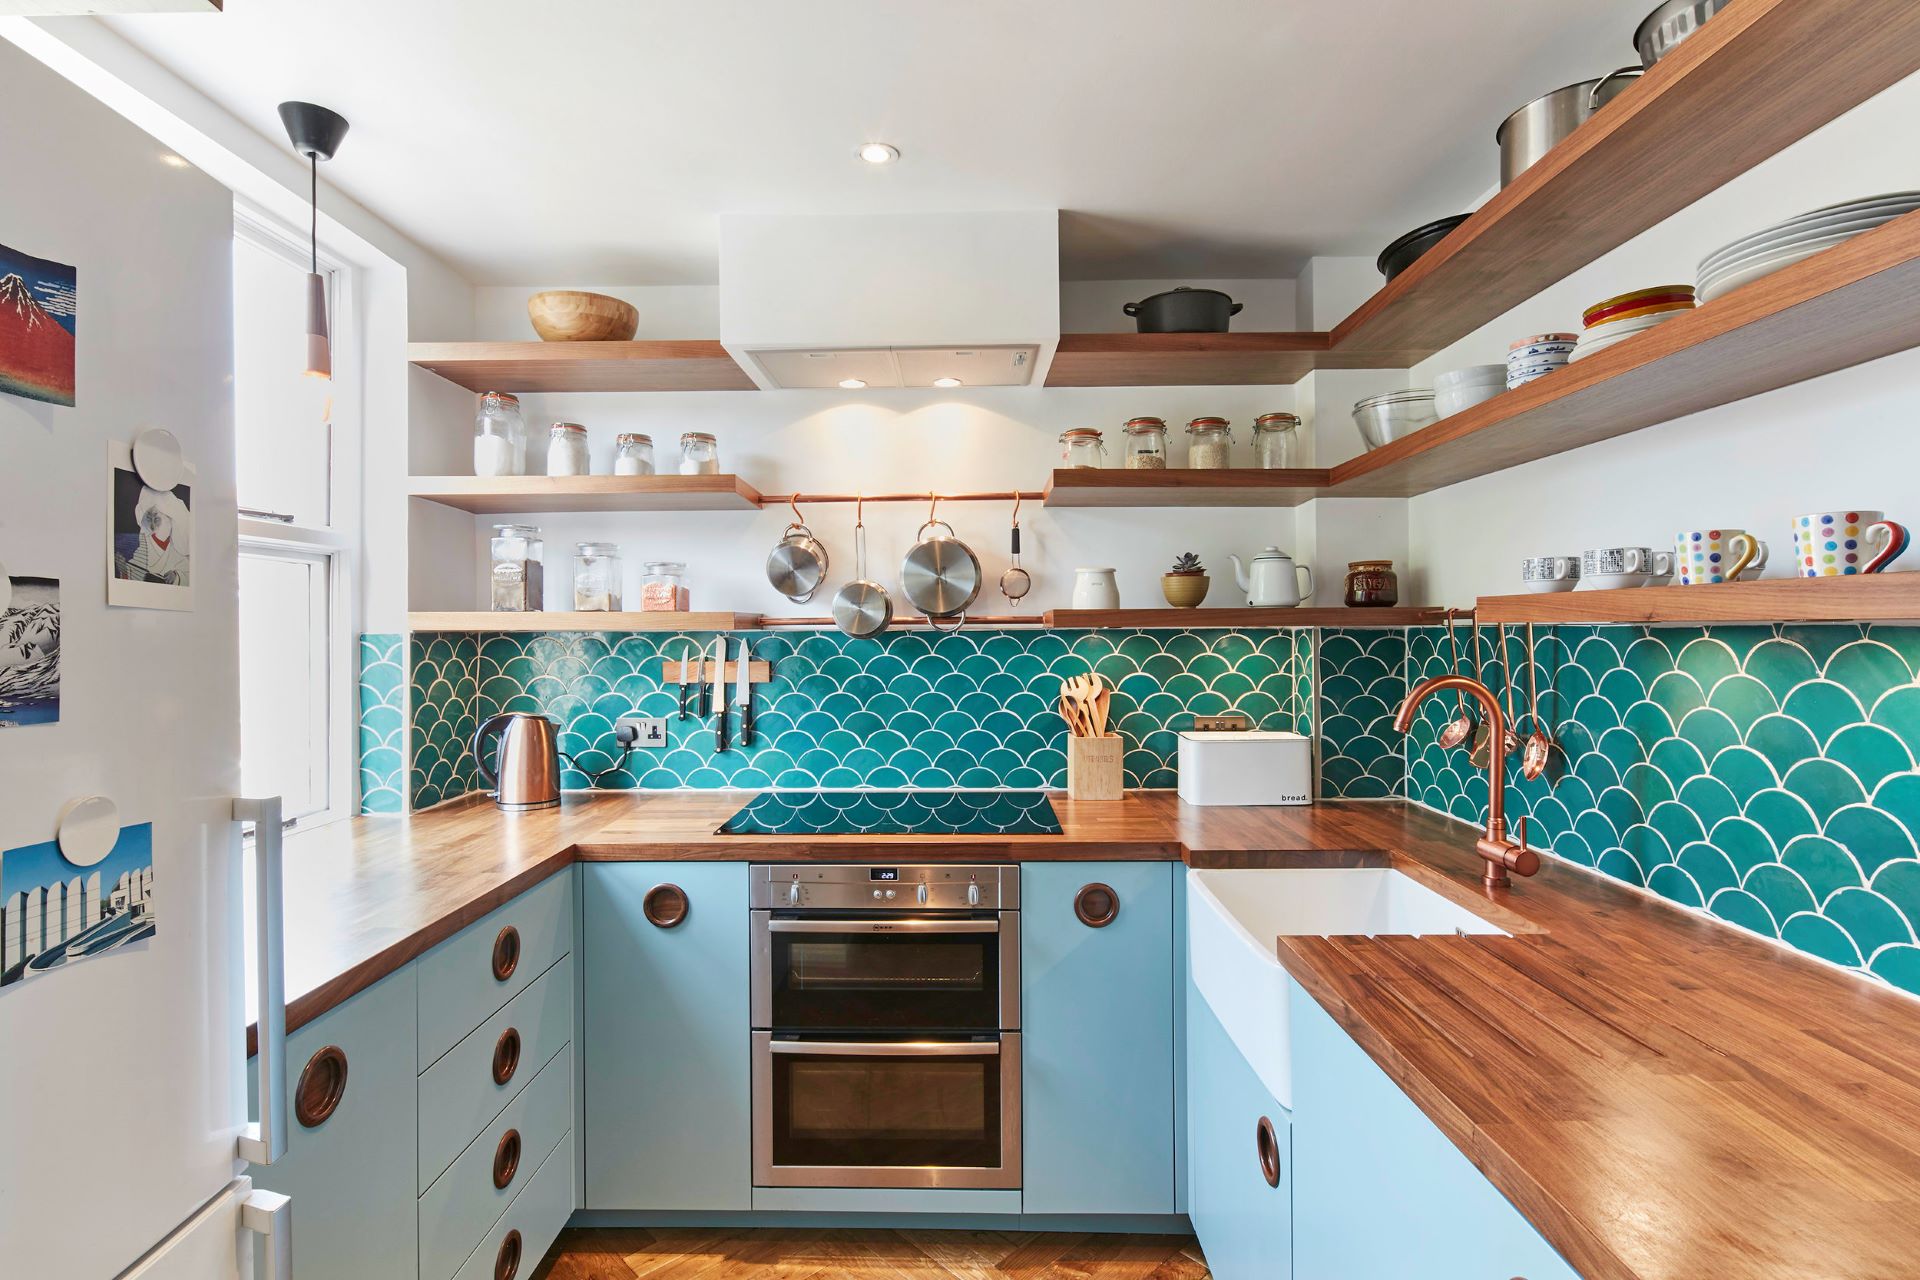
(1274, 579)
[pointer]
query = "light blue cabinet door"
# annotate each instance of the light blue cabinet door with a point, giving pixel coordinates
(1097, 1017)
(1244, 1223)
(351, 1177)
(667, 1046)
(1381, 1193)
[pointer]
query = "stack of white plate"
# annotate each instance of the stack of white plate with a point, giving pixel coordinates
(1614, 320)
(1461, 389)
(1797, 239)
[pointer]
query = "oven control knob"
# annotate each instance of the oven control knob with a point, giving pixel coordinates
(889, 895)
(793, 892)
(921, 893)
(876, 895)
(973, 893)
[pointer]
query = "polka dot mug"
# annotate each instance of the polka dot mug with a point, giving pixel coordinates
(1838, 543)
(1705, 555)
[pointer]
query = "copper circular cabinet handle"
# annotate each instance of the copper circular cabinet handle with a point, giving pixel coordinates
(1269, 1145)
(506, 1159)
(506, 1055)
(665, 905)
(1096, 905)
(323, 1083)
(506, 1264)
(506, 953)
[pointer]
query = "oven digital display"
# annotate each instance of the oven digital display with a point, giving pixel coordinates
(883, 873)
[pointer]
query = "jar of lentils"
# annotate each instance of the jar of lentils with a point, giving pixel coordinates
(1273, 440)
(1146, 444)
(1082, 447)
(1209, 444)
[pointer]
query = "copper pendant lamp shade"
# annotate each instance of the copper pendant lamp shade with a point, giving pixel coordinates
(316, 133)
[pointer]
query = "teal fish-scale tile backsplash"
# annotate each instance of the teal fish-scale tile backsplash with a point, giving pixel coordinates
(1363, 680)
(904, 709)
(1765, 774)
(444, 690)
(383, 723)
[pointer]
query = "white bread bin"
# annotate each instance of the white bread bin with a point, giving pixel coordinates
(1245, 767)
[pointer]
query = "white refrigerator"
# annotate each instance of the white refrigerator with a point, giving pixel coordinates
(123, 1099)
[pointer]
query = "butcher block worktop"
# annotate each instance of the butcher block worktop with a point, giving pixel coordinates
(1664, 1097)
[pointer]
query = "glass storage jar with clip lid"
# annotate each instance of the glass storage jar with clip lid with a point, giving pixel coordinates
(596, 577)
(1273, 440)
(699, 454)
(499, 436)
(518, 555)
(1209, 444)
(567, 450)
(632, 454)
(1146, 444)
(1082, 447)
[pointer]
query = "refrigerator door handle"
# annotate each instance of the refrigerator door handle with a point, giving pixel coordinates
(264, 1140)
(269, 1215)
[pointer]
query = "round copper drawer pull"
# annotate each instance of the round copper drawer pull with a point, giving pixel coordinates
(506, 1159)
(323, 1083)
(506, 1055)
(665, 905)
(506, 953)
(1096, 905)
(1269, 1145)
(506, 1264)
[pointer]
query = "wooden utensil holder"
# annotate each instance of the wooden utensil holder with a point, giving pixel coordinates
(1095, 768)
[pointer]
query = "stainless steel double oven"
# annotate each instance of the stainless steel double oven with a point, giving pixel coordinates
(886, 1026)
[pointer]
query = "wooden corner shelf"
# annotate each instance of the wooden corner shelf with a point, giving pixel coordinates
(1232, 487)
(1849, 304)
(1185, 359)
(558, 620)
(1644, 157)
(1277, 619)
(515, 495)
(679, 365)
(1879, 597)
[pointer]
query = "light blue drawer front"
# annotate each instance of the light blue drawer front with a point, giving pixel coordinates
(1097, 1013)
(458, 1096)
(463, 1202)
(458, 990)
(534, 1219)
(1368, 1156)
(667, 1047)
(352, 1177)
(1245, 1225)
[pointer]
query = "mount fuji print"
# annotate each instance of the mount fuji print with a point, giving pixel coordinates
(38, 304)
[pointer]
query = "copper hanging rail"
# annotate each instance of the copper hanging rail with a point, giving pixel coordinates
(988, 620)
(1002, 495)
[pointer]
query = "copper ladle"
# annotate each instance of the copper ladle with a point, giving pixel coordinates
(1539, 746)
(1459, 729)
(1512, 743)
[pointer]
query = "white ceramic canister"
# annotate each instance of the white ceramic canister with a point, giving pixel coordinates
(1095, 589)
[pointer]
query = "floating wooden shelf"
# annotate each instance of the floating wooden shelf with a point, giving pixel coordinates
(512, 495)
(1879, 597)
(1185, 359)
(1235, 487)
(564, 621)
(1855, 302)
(691, 365)
(1190, 619)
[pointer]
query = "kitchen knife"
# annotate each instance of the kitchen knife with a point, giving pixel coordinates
(706, 690)
(720, 694)
(744, 697)
(689, 661)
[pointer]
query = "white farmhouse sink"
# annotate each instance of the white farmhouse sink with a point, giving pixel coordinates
(1234, 916)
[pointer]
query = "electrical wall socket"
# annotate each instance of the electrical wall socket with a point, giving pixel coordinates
(651, 731)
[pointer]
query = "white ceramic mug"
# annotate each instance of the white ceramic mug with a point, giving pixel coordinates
(1095, 589)
(1839, 542)
(1550, 573)
(1705, 555)
(1603, 568)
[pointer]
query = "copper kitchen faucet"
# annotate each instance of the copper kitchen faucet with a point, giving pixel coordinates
(1502, 854)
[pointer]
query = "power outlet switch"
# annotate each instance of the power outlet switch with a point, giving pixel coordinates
(650, 732)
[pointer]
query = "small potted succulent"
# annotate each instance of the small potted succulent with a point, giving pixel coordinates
(1186, 583)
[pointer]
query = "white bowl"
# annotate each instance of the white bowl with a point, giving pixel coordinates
(1448, 401)
(1472, 375)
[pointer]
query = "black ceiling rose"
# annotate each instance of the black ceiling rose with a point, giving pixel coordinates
(315, 130)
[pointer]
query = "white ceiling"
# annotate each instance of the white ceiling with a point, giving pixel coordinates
(595, 140)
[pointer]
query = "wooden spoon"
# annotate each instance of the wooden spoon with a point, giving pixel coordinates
(1101, 702)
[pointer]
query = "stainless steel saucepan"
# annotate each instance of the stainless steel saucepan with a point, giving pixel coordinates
(798, 565)
(940, 575)
(862, 607)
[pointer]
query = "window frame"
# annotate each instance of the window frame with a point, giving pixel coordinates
(337, 544)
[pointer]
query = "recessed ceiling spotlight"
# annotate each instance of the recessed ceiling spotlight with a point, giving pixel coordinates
(946, 382)
(852, 384)
(879, 153)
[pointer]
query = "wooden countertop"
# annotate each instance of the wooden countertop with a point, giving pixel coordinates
(1662, 1096)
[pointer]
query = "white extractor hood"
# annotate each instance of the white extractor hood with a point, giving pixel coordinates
(891, 300)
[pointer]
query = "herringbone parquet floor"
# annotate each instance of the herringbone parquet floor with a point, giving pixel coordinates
(733, 1254)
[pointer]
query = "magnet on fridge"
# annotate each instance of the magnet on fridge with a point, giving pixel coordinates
(88, 829)
(157, 458)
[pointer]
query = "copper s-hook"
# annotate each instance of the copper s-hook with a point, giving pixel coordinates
(793, 501)
(1016, 507)
(933, 506)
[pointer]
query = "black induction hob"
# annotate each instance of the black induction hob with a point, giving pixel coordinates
(895, 813)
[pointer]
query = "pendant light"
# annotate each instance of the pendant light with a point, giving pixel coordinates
(316, 133)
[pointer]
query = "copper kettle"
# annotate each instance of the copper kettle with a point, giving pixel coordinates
(526, 769)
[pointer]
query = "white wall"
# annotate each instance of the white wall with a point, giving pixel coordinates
(1845, 439)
